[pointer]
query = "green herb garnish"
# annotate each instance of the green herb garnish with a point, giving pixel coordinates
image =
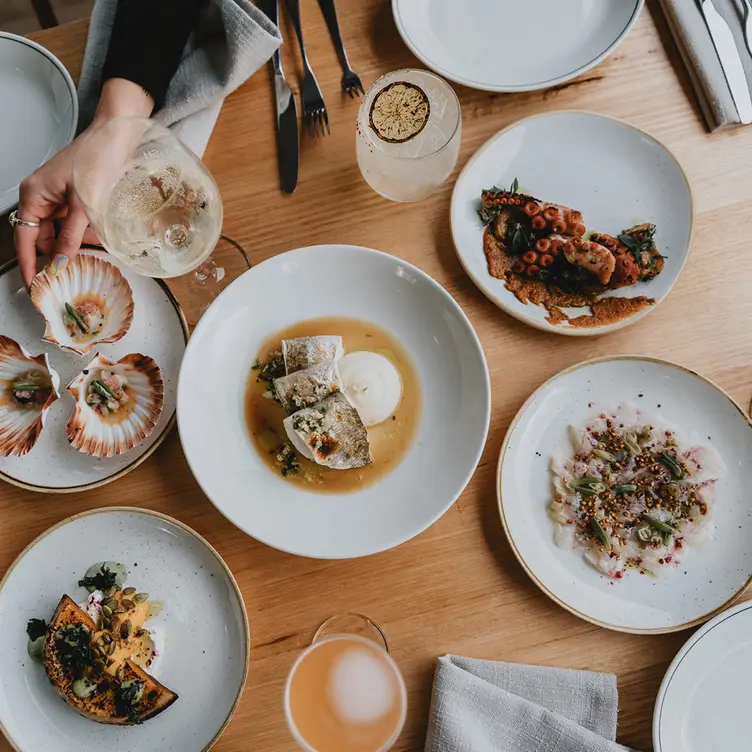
(624, 488)
(600, 533)
(127, 696)
(273, 369)
(104, 579)
(659, 525)
(36, 628)
(515, 187)
(73, 643)
(27, 386)
(637, 243)
(103, 390)
(73, 313)
(672, 464)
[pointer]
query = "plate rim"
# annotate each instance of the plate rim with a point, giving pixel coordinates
(488, 396)
(680, 656)
(9, 266)
(507, 88)
(57, 63)
(500, 502)
(190, 531)
(499, 301)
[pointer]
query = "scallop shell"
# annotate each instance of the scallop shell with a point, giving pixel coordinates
(99, 436)
(86, 278)
(20, 427)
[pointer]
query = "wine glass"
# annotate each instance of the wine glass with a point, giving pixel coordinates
(153, 204)
(345, 691)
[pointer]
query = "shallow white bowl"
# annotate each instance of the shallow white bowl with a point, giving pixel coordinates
(703, 702)
(709, 578)
(207, 641)
(615, 174)
(40, 111)
(353, 282)
(513, 46)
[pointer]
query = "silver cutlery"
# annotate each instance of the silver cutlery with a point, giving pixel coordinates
(748, 24)
(314, 109)
(731, 62)
(287, 114)
(350, 80)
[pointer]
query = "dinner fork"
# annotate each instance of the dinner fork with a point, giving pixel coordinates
(314, 109)
(748, 24)
(350, 80)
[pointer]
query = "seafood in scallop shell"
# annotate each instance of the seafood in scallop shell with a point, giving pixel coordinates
(87, 303)
(28, 387)
(117, 404)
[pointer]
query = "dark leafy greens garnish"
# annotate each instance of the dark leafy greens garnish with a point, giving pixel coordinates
(36, 628)
(127, 696)
(642, 241)
(288, 460)
(522, 240)
(273, 369)
(73, 643)
(102, 580)
(515, 187)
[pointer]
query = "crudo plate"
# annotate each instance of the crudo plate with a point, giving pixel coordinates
(357, 283)
(515, 46)
(615, 174)
(40, 111)
(703, 702)
(203, 618)
(158, 330)
(708, 578)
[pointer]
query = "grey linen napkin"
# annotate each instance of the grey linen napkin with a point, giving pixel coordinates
(486, 706)
(688, 26)
(233, 40)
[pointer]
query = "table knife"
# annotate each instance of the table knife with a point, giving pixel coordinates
(288, 148)
(731, 62)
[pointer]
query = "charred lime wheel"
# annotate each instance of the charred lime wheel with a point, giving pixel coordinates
(399, 112)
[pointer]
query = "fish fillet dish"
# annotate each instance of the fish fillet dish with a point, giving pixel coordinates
(631, 496)
(545, 256)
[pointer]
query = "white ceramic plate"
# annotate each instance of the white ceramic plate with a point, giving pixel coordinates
(513, 46)
(206, 630)
(708, 578)
(703, 702)
(334, 280)
(40, 111)
(615, 174)
(158, 330)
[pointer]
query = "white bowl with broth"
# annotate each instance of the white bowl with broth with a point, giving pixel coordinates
(424, 455)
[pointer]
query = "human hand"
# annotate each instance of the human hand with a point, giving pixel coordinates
(47, 194)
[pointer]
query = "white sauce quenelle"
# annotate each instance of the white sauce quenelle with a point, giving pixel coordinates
(372, 384)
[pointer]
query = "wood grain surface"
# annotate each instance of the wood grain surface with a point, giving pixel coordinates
(457, 587)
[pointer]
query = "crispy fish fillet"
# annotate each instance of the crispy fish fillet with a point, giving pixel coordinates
(100, 706)
(304, 352)
(330, 433)
(307, 387)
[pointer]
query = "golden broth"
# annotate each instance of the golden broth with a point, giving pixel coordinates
(389, 440)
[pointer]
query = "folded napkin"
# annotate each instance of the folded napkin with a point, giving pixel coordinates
(233, 40)
(485, 706)
(687, 24)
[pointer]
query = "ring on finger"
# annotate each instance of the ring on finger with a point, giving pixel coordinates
(15, 220)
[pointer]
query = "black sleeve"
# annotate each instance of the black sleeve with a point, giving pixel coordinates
(148, 38)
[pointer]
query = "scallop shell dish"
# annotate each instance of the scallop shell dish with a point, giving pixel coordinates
(28, 388)
(118, 404)
(87, 303)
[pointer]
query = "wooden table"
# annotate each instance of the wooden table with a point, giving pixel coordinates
(457, 587)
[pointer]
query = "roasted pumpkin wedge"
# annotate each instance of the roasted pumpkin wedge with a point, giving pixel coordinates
(75, 669)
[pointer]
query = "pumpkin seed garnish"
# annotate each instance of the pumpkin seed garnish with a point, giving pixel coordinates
(141, 597)
(110, 603)
(111, 647)
(110, 592)
(107, 611)
(128, 604)
(115, 624)
(107, 639)
(125, 629)
(129, 591)
(120, 609)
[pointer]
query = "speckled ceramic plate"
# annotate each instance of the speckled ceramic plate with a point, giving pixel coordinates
(703, 702)
(158, 330)
(615, 174)
(517, 46)
(40, 111)
(204, 621)
(707, 578)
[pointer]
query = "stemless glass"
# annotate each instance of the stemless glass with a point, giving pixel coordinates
(345, 691)
(415, 168)
(152, 203)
